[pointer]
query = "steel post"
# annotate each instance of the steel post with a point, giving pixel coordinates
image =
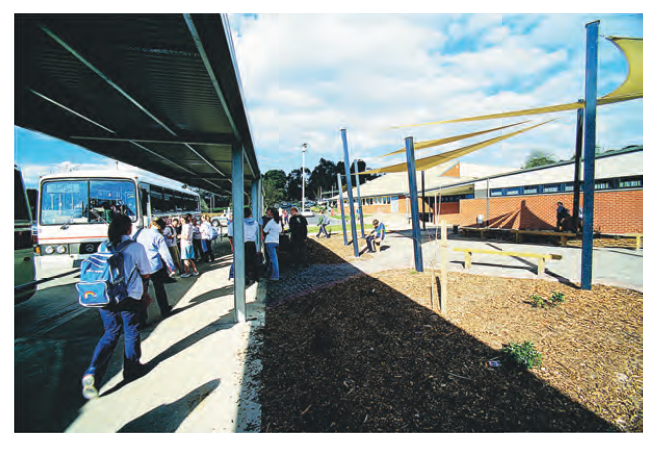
(359, 198)
(589, 137)
(341, 207)
(577, 168)
(237, 186)
(349, 188)
(414, 211)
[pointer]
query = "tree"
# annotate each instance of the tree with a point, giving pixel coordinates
(539, 158)
(294, 184)
(274, 187)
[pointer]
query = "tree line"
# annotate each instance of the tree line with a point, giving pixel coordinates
(279, 186)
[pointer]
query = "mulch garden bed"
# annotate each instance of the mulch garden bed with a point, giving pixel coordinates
(373, 354)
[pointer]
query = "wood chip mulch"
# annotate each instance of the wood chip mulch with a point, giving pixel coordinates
(373, 354)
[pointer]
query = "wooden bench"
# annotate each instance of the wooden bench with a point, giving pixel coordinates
(541, 258)
(637, 236)
(564, 236)
(466, 230)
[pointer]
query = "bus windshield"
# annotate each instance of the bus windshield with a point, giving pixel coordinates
(86, 201)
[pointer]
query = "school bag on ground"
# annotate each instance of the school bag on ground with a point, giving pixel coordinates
(102, 280)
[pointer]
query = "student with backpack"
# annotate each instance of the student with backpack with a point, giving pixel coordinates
(162, 266)
(118, 299)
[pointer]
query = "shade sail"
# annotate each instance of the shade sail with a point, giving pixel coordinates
(434, 160)
(451, 139)
(630, 89)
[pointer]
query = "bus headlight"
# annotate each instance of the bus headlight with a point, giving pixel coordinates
(61, 249)
(49, 250)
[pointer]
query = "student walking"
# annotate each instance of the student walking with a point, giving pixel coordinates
(123, 316)
(161, 264)
(323, 222)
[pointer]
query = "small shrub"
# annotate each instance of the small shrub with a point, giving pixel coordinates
(538, 301)
(557, 298)
(524, 354)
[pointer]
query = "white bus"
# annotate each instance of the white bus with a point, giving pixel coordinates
(75, 208)
(24, 268)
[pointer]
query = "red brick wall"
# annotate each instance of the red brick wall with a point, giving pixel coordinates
(615, 212)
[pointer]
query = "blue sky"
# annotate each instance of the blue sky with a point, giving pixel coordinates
(306, 76)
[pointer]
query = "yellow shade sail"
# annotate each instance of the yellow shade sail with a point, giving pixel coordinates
(632, 49)
(630, 89)
(451, 139)
(435, 160)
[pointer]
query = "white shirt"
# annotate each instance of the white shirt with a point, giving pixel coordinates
(168, 231)
(206, 230)
(187, 235)
(272, 230)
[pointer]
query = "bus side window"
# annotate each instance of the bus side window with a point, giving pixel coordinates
(145, 195)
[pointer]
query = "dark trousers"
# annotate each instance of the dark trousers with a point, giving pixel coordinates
(158, 279)
(299, 251)
(209, 253)
(198, 248)
(124, 316)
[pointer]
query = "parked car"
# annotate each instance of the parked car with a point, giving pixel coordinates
(219, 221)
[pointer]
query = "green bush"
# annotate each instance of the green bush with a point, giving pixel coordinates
(557, 298)
(538, 301)
(524, 354)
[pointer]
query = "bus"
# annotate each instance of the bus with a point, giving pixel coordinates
(24, 266)
(75, 209)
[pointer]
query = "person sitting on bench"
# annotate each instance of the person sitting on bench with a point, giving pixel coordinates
(376, 236)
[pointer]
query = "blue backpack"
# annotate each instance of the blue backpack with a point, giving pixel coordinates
(102, 280)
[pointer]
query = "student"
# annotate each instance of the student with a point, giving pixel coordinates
(271, 238)
(376, 236)
(206, 234)
(197, 240)
(323, 222)
(124, 316)
(187, 246)
(250, 239)
(161, 263)
(171, 235)
(562, 216)
(297, 225)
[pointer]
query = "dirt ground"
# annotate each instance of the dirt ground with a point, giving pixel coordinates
(375, 354)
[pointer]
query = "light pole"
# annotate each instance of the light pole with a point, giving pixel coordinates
(304, 149)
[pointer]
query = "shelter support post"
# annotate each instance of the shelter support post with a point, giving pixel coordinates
(349, 188)
(256, 209)
(414, 210)
(590, 118)
(237, 186)
(486, 222)
(341, 208)
(424, 211)
(577, 168)
(359, 198)
(444, 259)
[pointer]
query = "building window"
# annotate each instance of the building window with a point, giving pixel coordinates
(633, 181)
(512, 191)
(601, 185)
(496, 192)
(550, 188)
(529, 190)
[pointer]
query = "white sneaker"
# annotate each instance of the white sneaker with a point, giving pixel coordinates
(195, 273)
(185, 275)
(90, 392)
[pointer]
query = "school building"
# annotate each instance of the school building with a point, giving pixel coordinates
(461, 193)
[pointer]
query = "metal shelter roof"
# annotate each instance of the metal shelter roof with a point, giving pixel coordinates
(158, 91)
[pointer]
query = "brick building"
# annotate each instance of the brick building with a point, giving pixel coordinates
(524, 199)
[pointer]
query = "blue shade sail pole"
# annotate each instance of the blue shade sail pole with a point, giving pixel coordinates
(349, 188)
(237, 187)
(359, 198)
(577, 168)
(414, 210)
(341, 206)
(590, 118)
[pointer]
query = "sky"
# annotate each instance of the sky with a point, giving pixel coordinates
(307, 76)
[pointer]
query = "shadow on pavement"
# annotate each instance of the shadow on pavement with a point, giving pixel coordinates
(167, 418)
